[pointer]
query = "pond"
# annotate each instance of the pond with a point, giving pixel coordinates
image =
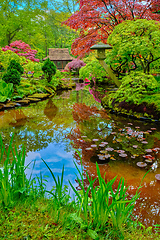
(123, 147)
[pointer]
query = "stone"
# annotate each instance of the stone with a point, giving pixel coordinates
(39, 95)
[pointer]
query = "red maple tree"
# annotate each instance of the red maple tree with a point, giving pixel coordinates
(96, 19)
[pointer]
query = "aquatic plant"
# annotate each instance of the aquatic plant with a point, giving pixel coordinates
(13, 181)
(101, 205)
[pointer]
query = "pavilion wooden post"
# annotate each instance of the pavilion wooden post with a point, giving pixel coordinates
(101, 56)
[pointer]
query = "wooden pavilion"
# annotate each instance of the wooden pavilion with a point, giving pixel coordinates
(60, 57)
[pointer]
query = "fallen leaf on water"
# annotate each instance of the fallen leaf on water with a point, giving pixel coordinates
(119, 140)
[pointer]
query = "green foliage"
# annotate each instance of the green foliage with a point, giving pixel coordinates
(58, 192)
(12, 76)
(134, 88)
(6, 90)
(92, 70)
(97, 212)
(13, 181)
(15, 65)
(33, 67)
(135, 45)
(104, 203)
(7, 56)
(49, 69)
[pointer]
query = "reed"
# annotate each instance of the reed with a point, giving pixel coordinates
(13, 180)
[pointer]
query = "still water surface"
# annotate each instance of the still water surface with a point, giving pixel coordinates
(54, 128)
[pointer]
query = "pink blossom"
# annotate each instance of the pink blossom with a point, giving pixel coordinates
(22, 49)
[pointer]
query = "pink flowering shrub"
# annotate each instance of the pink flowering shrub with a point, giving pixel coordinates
(74, 65)
(22, 49)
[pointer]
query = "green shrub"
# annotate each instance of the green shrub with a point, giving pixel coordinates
(15, 65)
(134, 87)
(12, 76)
(92, 70)
(49, 69)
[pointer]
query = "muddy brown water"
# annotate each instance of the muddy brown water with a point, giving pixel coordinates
(54, 128)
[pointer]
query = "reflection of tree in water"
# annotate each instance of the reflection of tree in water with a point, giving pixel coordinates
(18, 118)
(50, 110)
(32, 128)
(97, 93)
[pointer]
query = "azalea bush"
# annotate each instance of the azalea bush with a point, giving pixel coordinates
(22, 49)
(75, 66)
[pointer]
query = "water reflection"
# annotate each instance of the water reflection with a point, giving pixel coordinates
(53, 128)
(50, 109)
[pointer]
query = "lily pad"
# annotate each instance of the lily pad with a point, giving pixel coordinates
(123, 155)
(94, 146)
(148, 150)
(109, 149)
(89, 148)
(157, 176)
(141, 164)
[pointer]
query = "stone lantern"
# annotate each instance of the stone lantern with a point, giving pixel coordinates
(101, 47)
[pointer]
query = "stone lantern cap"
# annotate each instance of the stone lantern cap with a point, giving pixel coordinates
(101, 46)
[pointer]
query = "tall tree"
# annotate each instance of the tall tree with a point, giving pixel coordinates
(96, 19)
(16, 16)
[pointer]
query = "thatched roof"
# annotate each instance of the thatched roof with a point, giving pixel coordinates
(59, 54)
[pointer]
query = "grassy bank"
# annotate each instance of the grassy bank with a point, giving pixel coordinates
(39, 219)
(29, 211)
